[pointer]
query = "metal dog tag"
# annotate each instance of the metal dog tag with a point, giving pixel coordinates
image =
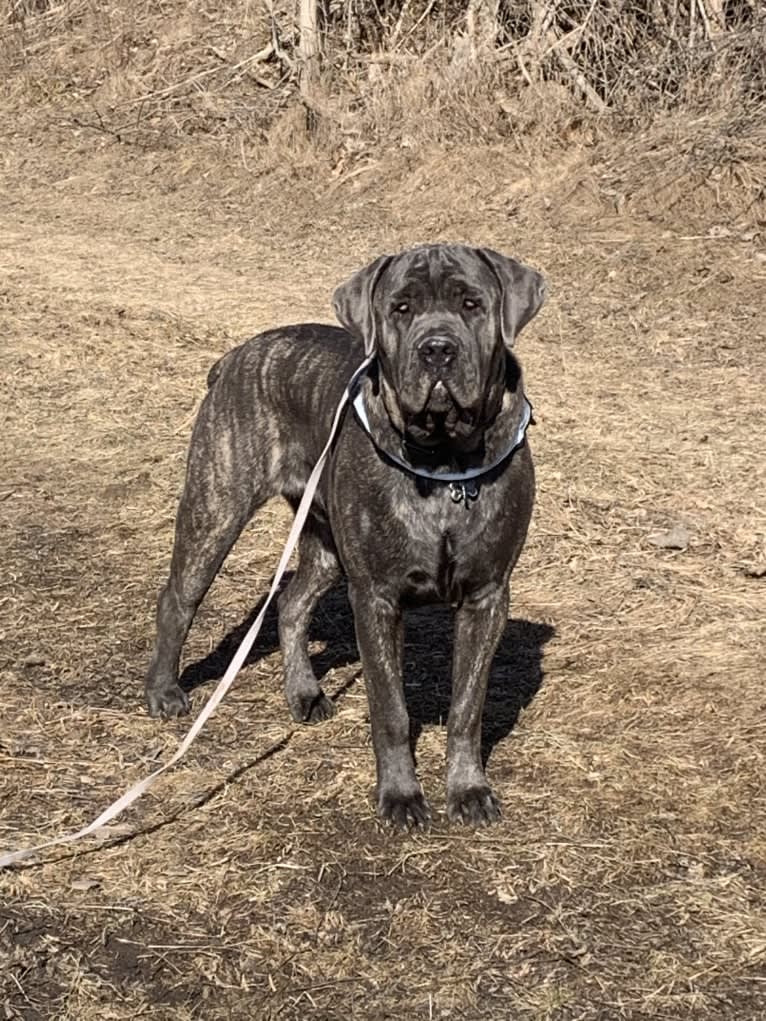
(463, 492)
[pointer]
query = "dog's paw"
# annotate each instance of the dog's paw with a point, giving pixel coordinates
(310, 706)
(473, 806)
(405, 811)
(167, 702)
(318, 709)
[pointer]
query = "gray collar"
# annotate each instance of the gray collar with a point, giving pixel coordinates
(465, 476)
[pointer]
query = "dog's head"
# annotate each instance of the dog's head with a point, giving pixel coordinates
(442, 319)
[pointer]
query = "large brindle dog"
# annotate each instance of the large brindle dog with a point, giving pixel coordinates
(426, 498)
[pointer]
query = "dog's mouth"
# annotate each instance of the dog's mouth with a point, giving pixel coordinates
(442, 419)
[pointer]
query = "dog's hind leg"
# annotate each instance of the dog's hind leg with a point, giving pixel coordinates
(223, 489)
(201, 546)
(318, 569)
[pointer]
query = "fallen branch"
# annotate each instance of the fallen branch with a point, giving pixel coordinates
(194, 79)
(569, 65)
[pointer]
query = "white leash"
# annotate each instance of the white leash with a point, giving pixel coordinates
(135, 792)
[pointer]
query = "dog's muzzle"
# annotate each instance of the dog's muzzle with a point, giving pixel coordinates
(442, 417)
(437, 353)
(442, 401)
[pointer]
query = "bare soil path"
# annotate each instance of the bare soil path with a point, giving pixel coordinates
(626, 719)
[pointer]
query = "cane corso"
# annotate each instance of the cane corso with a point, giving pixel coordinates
(426, 498)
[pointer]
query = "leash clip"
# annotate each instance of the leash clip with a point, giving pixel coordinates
(463, 492)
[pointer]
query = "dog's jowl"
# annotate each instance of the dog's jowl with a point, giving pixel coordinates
(427, 496)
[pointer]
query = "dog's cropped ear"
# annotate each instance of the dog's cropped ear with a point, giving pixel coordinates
(523, 290)
(352, 302)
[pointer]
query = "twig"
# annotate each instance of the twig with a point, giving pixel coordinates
(258, 58)
(576, 31)
(200, 76)
(574, 72)
(115, 133)
(717, 14)
(400, 22)
(280, 54)
(420, 20)
(523, 67)
(402, 59)
(562, 40)
(244, 158)
(541, 22)
(704, 18)
(351, 174)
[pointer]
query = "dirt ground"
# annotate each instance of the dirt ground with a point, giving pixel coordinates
(625, 722)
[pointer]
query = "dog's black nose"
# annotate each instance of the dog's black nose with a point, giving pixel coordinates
(436, 352)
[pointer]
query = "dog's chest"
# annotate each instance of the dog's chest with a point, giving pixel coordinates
(442, 544)
(414, 541)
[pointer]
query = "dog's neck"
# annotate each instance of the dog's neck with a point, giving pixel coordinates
(502, 434)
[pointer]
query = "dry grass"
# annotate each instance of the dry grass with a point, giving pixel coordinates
(625, 722)
(627, 877)
(228, 77)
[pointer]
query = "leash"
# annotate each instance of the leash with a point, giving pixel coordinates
(134, 793)
(350, 394)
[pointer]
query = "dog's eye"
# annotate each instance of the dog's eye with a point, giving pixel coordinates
(470, 305)
(402, 308)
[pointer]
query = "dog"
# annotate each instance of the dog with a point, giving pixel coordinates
(426, 498)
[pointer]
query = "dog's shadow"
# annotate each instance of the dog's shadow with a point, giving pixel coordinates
(515, 678)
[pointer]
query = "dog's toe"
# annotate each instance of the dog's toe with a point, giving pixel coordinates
(473, 806)
(167, 703)
(318, 709)
(310, 707)
(405, 811)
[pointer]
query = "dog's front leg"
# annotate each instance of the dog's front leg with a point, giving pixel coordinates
(479, 624)
(379, 633)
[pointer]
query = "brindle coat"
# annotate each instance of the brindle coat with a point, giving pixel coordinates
(445, 393)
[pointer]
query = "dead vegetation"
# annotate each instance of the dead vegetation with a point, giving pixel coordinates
(157, 205)
(192, 89)
(361, 75)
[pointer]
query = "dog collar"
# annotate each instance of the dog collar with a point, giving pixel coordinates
(450, 477)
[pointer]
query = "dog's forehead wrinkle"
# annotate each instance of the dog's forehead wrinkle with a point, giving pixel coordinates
(436, 275)
(408, 271)
(449, 260)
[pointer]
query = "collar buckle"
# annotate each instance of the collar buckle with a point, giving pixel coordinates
(464, 492)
